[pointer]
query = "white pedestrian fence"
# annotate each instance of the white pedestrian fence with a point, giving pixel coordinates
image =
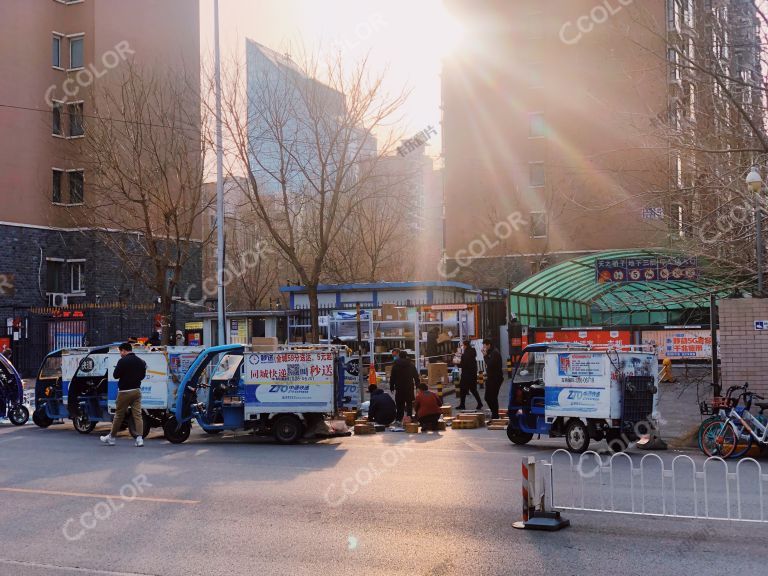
(650, 486)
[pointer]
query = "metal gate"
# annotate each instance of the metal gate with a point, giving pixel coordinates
(679, 488)
(42, 330)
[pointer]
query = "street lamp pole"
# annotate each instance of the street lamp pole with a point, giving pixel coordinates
(221, 307)
(755, 184)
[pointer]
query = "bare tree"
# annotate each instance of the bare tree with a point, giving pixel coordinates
(378, 238)
(143, 155)
(303, 135)
(713, 129)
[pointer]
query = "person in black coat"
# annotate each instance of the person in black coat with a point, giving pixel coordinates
(494, 376)
(468, 382)
(403, 381)
(382, 407)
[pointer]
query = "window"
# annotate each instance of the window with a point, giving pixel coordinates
(538, 224)
(674, 67)
(76, 52)
(56, 186)
(53, 272)
(56, 119)
(537, 128)
(76, 276)
(536, 175)
(56, 51)
(76, 187)
(677, 221)
(75, 119)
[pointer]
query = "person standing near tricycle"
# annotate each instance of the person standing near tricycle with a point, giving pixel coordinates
(130, 370)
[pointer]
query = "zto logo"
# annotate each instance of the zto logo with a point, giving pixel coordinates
(254, 358)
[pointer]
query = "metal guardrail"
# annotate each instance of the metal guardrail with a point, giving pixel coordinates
(718, 490)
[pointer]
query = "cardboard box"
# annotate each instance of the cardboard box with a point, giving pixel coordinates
(365, 429)
(412, 427)
(443, 337)
(376, 317)
(349, 418)
(268, 344)
(381, 349)
(402, 313)
(442, 426)
(437, 372)
(446, 409)
(388, 312)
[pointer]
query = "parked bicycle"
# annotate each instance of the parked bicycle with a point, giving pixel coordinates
(732, 434)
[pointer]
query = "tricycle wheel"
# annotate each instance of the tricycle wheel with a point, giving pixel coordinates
(18, 415)
(40, 418)
(617, 441)
(174, 433)
(577, 436)
(517, 436)
(146, 425)
(287, 429)
(82, 423)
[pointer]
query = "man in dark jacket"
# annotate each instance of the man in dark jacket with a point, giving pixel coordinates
(468, 382)
(130, 370)
(382, 407)
(494, 376)
(402, 382)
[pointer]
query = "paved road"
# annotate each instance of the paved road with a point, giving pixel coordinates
(430, 504)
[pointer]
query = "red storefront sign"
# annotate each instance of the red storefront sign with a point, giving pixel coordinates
(592, 336)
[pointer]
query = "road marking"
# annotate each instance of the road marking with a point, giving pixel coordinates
(71, 568)
(98, 496)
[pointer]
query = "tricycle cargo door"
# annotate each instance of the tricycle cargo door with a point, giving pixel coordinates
(577, 384)
(290, 381)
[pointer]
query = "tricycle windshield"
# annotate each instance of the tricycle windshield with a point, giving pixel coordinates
(51, 367)
(92, 366)
(227, 368)
(530, 369)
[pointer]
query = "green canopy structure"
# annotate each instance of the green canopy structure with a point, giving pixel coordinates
(568, 295)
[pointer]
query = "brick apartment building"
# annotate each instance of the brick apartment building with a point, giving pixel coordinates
(562, 117)
(54, 53)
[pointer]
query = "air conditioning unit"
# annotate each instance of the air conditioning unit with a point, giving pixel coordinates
(57, 300)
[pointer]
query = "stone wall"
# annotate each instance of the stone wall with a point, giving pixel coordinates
(23, 253)
(744, 350)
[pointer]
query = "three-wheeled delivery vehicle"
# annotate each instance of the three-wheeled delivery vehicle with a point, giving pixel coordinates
(272, 393)
(583, 393)
(12, 394)
(88, 394)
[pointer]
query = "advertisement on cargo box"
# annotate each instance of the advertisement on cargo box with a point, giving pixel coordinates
(299, 381)
(579, 365)
(576, 401)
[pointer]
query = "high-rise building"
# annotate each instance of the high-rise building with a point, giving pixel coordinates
(559, 124)
(56, 56)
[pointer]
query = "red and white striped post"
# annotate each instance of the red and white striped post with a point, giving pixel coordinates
(529, 488)
(534, 519)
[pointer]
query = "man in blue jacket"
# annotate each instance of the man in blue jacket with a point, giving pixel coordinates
(382, 408)
(130, 370)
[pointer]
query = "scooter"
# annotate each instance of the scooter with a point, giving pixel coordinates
(12, 394)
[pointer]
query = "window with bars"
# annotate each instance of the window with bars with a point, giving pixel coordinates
(76, 187)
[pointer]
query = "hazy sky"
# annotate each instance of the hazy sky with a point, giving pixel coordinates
(405, 38)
